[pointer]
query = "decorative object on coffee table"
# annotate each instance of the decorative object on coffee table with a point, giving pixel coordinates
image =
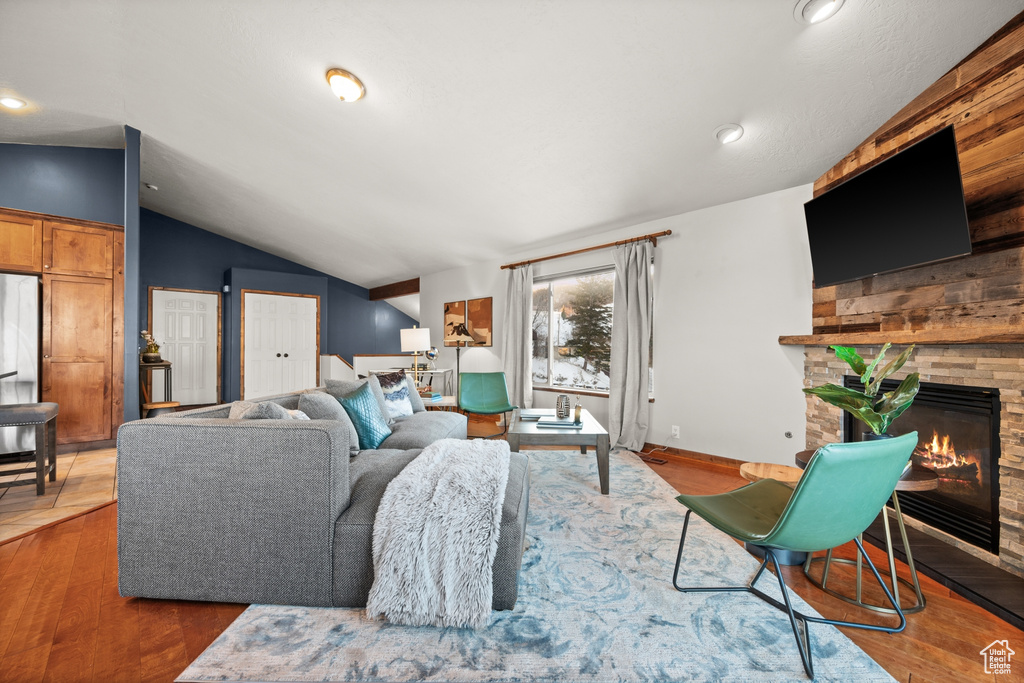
(562, 407)
(151, 354)
(877, 413)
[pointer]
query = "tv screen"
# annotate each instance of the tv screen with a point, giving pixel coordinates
(905, 211)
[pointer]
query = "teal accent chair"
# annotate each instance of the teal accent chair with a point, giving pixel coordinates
(485, 393)
(841, 492)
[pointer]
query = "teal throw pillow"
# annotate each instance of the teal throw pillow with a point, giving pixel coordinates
(363, 409)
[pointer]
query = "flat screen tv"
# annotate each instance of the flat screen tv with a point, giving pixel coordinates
(905, 211)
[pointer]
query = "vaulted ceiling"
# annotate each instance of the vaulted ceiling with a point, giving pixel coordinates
(486, 127)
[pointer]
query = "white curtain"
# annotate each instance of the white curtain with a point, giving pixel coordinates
(633, 307)
(518, 338)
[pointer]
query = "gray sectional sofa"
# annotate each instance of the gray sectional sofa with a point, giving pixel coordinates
(273, 511)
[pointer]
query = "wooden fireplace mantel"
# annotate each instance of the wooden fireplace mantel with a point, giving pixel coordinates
(955, 335)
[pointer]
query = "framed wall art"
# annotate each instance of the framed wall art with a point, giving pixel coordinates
(455, 332)
(478, 320)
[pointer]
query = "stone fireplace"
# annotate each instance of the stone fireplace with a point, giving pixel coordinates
(992, 373)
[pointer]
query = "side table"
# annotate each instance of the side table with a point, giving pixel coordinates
(916, 479)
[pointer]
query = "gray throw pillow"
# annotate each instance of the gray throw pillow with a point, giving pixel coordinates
(414, 396)
(343, 388)
(321, 406)
(247, 410)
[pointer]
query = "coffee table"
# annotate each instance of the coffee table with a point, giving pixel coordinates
(528, 433)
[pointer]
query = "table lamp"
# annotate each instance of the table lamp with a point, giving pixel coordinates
(417, 340)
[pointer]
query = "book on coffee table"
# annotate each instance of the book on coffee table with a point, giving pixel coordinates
(559, 424)
(535, 414)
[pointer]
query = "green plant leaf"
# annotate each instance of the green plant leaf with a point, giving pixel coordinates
(894, 402)
(854, 402)
(852, 358)
(871, 388)
(892, 367)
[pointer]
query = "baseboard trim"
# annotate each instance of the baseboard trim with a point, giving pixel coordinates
(654, 450)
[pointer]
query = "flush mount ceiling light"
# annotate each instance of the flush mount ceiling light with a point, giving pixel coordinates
(12, 102)
(816, 11)
(345, 85)
(730, 132)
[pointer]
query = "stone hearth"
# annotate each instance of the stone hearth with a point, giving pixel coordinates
(999, 366)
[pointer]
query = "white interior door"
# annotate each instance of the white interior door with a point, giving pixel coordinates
(185, 324)
(280, 345)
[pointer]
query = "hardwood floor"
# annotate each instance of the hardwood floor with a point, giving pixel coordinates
(61, 618)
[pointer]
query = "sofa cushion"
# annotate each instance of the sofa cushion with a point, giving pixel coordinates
(419, 430)
(321, 406)
(340, 388)
(414, 395)
(366, 415)
(396, 394)
(249, 410)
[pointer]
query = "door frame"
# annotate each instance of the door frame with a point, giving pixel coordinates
(241, 369)
(220, 303)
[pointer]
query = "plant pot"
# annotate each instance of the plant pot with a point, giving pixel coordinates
(871, 436)
(150, 357)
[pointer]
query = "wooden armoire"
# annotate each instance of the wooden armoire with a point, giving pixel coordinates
(82, 318)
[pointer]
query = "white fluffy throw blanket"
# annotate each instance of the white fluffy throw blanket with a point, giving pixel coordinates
(436, 535)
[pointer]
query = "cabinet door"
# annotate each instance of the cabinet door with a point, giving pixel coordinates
(77, 250)
(21, 243)
(77, 328)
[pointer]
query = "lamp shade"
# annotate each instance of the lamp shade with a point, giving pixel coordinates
(416, 339)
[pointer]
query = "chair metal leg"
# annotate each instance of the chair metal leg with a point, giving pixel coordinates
(798, 620)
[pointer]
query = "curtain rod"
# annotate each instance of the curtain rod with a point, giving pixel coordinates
(653, 237)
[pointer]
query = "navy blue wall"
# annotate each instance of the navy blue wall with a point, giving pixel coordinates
(182, 256)
(132, 326)
(74, 182)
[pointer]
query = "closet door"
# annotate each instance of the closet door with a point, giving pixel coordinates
(280, 343)
(77, 349)
(21, 243)
(77, 250)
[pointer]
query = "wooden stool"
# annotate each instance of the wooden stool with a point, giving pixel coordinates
(914, 479)
(155, 409)
(42, 416)
(756, 471)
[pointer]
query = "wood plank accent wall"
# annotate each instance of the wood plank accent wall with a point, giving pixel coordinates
(983, 98)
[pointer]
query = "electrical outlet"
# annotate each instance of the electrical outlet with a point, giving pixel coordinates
(675, 431)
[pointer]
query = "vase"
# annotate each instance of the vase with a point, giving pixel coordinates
(871, 436)
(562, 407)
(150, 357)
(578, 416)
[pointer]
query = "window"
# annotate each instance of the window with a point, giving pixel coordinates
(572, 331)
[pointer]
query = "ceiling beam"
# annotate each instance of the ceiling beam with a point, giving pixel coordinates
(395, 289)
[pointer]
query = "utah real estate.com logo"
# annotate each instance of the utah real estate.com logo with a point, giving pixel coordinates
(997, 657)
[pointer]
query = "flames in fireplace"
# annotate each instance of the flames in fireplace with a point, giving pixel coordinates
(940, 455)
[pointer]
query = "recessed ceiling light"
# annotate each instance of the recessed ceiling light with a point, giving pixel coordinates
(151, 186)
(345, 85)
(816, 11)
(12, 102)
(730, 132)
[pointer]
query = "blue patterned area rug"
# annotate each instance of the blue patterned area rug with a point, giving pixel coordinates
(596, 603)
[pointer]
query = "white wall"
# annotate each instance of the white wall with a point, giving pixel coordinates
(728, 282)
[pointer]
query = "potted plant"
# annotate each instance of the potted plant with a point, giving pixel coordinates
(877, 412)
(151, 354)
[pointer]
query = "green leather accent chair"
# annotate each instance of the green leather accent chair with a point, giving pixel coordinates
(485, 393)
(840, 494)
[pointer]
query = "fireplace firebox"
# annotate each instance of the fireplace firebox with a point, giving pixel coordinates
(958, 431)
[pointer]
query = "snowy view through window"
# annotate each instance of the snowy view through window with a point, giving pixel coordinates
(572, 331)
